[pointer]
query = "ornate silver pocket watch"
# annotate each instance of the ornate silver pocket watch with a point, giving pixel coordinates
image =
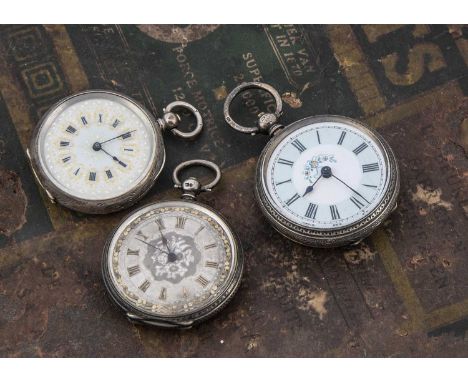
(100, 151)
(173, 263)
(322, 181)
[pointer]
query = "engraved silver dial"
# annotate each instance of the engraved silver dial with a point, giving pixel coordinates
(172, 261)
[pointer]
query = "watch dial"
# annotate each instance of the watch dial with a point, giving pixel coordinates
(326, 175)
(97, 145)
(172, 259)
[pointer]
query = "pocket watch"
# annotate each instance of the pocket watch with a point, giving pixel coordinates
(100, 151)
(322, 181)
(174, 263)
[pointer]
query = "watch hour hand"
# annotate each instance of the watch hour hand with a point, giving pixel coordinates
(311, 187)
(114, 158)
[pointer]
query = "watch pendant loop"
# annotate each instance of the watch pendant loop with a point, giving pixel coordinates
(171, 120)
(267, 122)
(192, 186)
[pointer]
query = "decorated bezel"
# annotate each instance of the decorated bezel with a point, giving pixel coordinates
(97, 206)
(327, 237)
(217, 297)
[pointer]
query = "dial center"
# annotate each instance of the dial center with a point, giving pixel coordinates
(97, 146)
(171, 257)
(326, 171)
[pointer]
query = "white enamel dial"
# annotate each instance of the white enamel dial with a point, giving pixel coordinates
(326, 175)
(96, 147)
(173, 259)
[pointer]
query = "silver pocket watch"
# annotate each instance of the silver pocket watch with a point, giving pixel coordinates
(322, 181)
(100, 151)
(174, 263)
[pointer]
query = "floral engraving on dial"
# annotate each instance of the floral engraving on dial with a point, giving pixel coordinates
(183, 248)
(313, 166)
(171, 260)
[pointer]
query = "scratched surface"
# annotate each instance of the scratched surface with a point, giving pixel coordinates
(402, 292)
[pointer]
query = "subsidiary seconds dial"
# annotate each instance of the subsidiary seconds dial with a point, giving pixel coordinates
(327, 175)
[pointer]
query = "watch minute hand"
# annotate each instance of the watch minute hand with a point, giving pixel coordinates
(151, 245)
(352, 189)
(118, 136)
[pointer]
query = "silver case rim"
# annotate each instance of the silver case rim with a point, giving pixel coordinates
(327, 238)
(187, 320)
(102, 206)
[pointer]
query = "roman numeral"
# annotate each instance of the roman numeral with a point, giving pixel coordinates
(116, 123)
(144, 286)
(360, 148)
(334, 212)
(66, 159)
(126, 135)
(109, 174)
(342, 136)
(160, 223)
(356, 202)
(283, 182)
(298, 145)
(311, 211)
(370, 185)
(292, 200)
(199, 230)
(100, 118)
(318, 137)
(163, 294)
(285, 161)
(128, 149)
(70, 129)
(132, 271)
(209, 246)
(211, 264)
(64, 143)
(92, 176)
(202, 281)
(77, 171)
(133, 252)
(181, 222)
(370, 167)
(139, 233)
(84, 121)
(184, 292)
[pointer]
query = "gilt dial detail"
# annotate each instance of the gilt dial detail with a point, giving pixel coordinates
(171, 260)
(326, 175)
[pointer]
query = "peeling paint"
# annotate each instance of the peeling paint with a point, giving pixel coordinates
(359, 254)
(430, 197)
(313, 300)
(292, 99)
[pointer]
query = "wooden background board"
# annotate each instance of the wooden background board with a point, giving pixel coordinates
(402, 292)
